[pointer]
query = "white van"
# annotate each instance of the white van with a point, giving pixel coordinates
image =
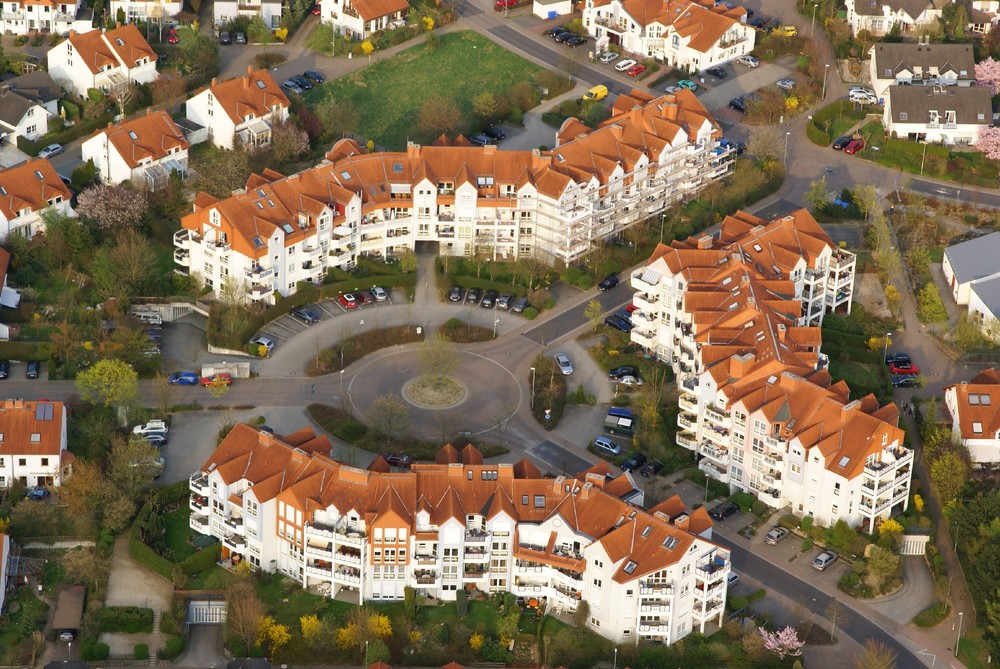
(148, 317)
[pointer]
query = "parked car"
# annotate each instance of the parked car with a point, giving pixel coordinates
(303, 83)
(261, 340)
(651, 468)
(629, 380)
(673, 88)
(37, 493)
(489, 299)
(347, 300)
(733, 144)
(552, 32)
(624, 370)
(902, 368)
(785, 31)
(183, 379)
(618, 323)
(316, 10)
(154, 438)
(505, 300)
(605, 446)
(154, 425)
(624, 64)
(398, 460)
(495, 133)
(564, 36)
(290, 85)
(318, 77)
(634, 461)
(824, 560)
(565, 366)
(225, 38)
(480, 139)
(380, 294)
(688, 84)
(841, 143)
(575, 41)
(473, 296)
(241, 38)
(748, 60)
(759, 22)
(596, 93)
(33, 369)
(66, 636)
(305, 315)
(717, 72)
(50, 151)
(854, 146)
(776, 535)
(520, 304)
(732, 579)
(506, 4)
(897, 358)
(785, 84)
(607, 283)
(456, 294)
(172, 37)
(609, 57)
(4, 369)
(905, 381)
(217, 378)
(723, 511)
(635, 70)
(739, 104)
(862, 96)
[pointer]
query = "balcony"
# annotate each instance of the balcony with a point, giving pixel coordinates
(199, 504)
(654, 608)
(687, 439)
(347, 574)
(426, 558)
(647, 588)
(646, 338)
(713, 471)
(476, 553)
(199, 524)
(474, 571)
(182, 257)
(323, 572)
(348, 533)
(258, 274)
(772, 478)
(321, 551)
(235, 542)
(183, 239)
(842, 259)
(640, 285)
(688, 402)
(476, 536)
(715, 452)
(611, 26)
(708, 609)
(236, 524)
(425, 576)
(776, 444)
(773, 461)
(717, 434)
(714, 567)
(347, 556)
(645, 301)
(198, 482)
(659, 628)
(716, 416)
(687, 421)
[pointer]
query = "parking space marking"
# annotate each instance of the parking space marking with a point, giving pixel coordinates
(271, 335)
(325, 310)
(282, 325)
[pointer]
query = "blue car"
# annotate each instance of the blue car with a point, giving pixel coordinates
(37, 493)
(184, 379)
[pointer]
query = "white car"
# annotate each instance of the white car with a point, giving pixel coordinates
(861, 89)
(785, 84)
(732, 579)
(155, 425)
(50, 150)
(624, 65)
(749, 61)
(672, 89)
(862, 97)
(261, 340)
(565, 366)
(630, 381)
(380, 294)
(609, 56)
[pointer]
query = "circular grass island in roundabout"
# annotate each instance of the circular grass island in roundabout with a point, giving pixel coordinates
(434, 392)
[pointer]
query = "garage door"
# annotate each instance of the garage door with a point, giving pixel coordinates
(206, 612)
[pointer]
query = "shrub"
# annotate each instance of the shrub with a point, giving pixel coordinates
(202, 560)
(744, 500)
(932, 616)
(758, 508)
(94, 652)
(141, 651)
(530, 314)
(806, 523)
(172, 650)
(126, 619)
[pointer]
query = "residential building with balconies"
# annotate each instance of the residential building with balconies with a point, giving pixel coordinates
(105, 60)
(145, 150)
(138, 11)
(242, 109)
(283, 505)
(359, 19)
(23, 16)
(227, 10)
(691, 36)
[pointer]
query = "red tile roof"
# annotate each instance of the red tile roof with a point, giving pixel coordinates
(122, 45)
(32, 185)
(151, 136)
(30, 428)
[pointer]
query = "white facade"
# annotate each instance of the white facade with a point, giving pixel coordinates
(921, 64)
(878, 16)
(975, 407)
(19, 17)
(253, 129)
(93, 60)
(33, 457)
(145, 150)
(140, 10)
(32, 125)
(228, 10)
(546, 9)
(360, 19)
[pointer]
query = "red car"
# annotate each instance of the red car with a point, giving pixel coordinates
(348, 300)
(635, 70)
(855, 146)
(630, 308)
(901, 368)
(221, 377)
(506, 4)
(316, 10)
(172, 36)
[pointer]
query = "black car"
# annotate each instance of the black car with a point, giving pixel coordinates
(651, 468)
(225, 39)
(618, 323)
(241, 38)
(520, 304)
(365, 296)
(306, 315)
(4, 369)
(563, 37)
(772, 25)
(318, 77)
(739, 104)
(905, 381)
(456, 294)
(480, 140)
(717, 72)
(841, 143)
(494, 133)
(303, 83)
(734, 144)
(398, 459)
(33, 369)
(472, 297)
(489, 299)
(505, 300)
(723, 511)
(898, 359)
(552, 32)
(609, 282)
(635, 461)
(624, 370)
(576, 41)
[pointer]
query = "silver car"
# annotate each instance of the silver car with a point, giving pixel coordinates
(50, 150)
(565, 366)
(824, 560)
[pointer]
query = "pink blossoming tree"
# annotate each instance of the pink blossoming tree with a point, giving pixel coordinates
(783, 642)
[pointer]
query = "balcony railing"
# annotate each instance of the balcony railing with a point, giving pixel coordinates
(716, 416)
(689, 402)
(320, 551)
(687, 439)
(476, 536)
(199, 483)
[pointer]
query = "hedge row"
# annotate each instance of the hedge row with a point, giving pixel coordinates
(127, 619)
(25, 350)
(137, 548)
(202, 560)
(65, 136)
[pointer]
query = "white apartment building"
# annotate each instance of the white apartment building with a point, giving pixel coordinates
(141, 10)
(359, 19)
(243, 108)
(737, 314)
(338, 530)
(27, 192)
(33, 444)
(553, 205)
(689, 35)
(144, 150)
(975, 417)
(102, 60)
(20, 17)
(269, 10)
(921, 64)
(879, 16)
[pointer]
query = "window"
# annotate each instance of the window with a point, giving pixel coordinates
(977, 428)
(597, 582)
(903, 116)
(836, 489)
(539, 501)
(45, 462)
(524, 500)
(36, 437)
(22, 462)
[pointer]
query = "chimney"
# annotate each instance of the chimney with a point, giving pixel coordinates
(214, 82)
(249, 69)
(782, 330)
(585, 490)
(557, 484)
(683, 522)
(455, 469)
(117, 25)
(72, 33)
(740, 365)
(705, 242)
(149, 111)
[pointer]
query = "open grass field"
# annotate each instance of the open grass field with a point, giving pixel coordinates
(390, 93)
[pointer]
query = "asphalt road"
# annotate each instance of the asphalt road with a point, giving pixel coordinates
(573, 318)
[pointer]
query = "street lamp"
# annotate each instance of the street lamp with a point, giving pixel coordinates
(959, 639)
(787, 135)
(496, 321)
(616, 658)
(885, 349)
(826, 71)
(812, 30)
(662, 216)
(532, 387)
(341, 383)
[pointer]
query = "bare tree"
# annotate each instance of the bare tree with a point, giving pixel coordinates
(133, 464)
(836, 613)
(439, 357)
(389, 415)
(876, 655)
(165, 392)
(500, 416)
(244, 613)
(765, 142)
(122, 93)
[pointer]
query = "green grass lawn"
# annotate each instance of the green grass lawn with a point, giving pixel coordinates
(177, 529)
(390, 93)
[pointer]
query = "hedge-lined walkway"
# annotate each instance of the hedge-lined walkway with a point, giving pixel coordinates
(131, 584)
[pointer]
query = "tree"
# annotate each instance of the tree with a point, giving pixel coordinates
(783, 643)
(876, 655)
(122, 94)
(988, 74)
(949, 472)
(868, 200)
(244, 613)
(87, 567)
(113, 207)
(339, 115)
(818, 195)
(389, 415)
(988, 141)
(132, 465)
(485, 106)
(222, 173)
(288, 142)
(439, 116)
(594, 312)
(765, 143)
(273, 634)
(407, 261)
(363, 625)
(127, 268)
(932, 309)
(882, 563)
(258, 32)
(64, 341)
(439, 357)
(109, 382)
(199, 54)
(836, 613)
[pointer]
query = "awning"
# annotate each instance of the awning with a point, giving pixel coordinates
(10, 297)
(259, 128)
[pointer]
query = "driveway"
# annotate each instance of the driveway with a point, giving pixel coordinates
(131, 584)
(204, 648)
(916, 594)
(746, 81)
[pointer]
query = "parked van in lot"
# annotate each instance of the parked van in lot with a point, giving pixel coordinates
(150, 317)
(596, 93)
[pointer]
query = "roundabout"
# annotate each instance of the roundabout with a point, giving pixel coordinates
(473, 398)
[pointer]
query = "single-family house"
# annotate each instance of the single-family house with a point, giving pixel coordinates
(8, 296)
(688, 35)
(923, 64)
(144, 150)
(55, 16)
(878, 16)
(33, 449)
(550, 9)
(227, 10)
(975, 413)
(141, 10)
(103, 60)
(969, 262)
(983, 16)
(27, 191)
(26, 104)
(243, 108)
(937, 114)
(358, 19)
